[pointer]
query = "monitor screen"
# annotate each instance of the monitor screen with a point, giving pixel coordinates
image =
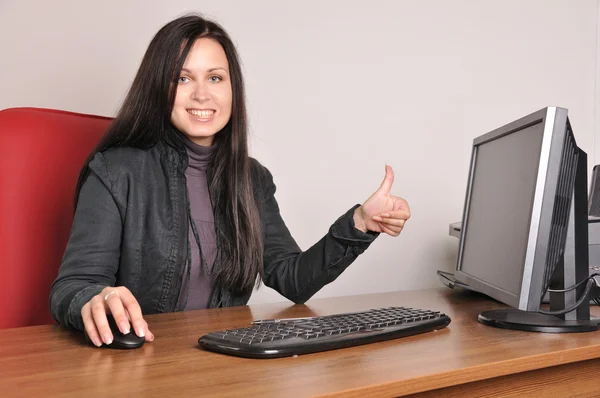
(500, 208)
(594, 196)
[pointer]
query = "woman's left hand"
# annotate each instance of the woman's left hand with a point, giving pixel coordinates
(383, 212)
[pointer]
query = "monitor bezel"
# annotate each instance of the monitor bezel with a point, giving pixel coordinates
(531, 290)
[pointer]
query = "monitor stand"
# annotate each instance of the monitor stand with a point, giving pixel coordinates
(511, 318)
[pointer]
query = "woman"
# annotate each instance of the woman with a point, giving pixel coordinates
(171, 212)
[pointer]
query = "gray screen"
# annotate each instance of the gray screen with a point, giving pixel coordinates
(499, 212)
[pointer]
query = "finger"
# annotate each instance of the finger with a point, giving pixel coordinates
(118, 312)
(99, 317)
(400, 214)
(135, 312)
(149, 335)
(394, 228)
(90, 327)
(389, 230)
(400, 203)
(386, 185)
(396, 222)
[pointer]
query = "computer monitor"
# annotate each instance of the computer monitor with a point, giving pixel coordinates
(524, 224)
(594, 197)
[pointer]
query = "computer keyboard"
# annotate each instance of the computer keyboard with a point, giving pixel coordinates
(276, 338)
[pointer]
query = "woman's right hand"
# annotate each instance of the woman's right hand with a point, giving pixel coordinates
(126, 311)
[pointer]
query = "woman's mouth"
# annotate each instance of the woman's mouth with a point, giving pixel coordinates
(202, 114)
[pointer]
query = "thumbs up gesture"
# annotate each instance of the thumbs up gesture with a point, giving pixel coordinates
(383, 212)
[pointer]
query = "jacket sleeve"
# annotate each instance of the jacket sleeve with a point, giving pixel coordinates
(91, 258)
(297, 274)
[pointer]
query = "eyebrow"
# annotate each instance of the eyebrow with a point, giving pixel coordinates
(209, 71)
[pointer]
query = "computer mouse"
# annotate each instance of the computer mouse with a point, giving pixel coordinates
(120, 340)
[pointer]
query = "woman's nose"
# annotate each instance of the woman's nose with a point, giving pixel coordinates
(201, 92)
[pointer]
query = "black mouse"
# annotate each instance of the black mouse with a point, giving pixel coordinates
(120, 340)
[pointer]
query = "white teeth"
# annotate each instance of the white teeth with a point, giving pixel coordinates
(203, 114)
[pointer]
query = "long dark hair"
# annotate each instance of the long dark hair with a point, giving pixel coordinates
(144, 120)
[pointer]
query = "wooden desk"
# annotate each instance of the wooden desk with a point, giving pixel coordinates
(465, 359)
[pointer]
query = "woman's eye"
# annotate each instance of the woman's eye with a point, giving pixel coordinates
(184, 79)
(214, 79)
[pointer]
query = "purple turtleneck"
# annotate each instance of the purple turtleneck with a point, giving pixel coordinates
(196, 283)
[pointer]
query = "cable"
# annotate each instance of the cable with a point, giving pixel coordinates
(575, 286)
(590, 284)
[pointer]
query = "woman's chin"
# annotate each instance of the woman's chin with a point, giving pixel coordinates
(205, 139)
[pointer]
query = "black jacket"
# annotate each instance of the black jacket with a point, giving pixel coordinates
(131, 229)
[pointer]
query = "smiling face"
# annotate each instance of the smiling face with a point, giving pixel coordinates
(203, 100)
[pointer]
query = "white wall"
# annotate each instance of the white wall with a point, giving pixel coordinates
(336, 89)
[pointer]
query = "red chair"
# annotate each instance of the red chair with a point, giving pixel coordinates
(41, 154)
